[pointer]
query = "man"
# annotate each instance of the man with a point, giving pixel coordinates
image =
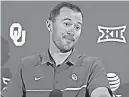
(60, 71)
(5, 72)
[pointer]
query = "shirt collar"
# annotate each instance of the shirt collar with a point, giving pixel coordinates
(71, 60)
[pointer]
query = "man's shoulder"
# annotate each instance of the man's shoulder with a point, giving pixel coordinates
(32, 59)
(90, 60)
(84, 57)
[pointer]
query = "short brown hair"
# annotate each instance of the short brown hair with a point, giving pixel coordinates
(56, 10)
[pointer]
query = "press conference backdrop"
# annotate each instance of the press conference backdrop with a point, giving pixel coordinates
(32, 16)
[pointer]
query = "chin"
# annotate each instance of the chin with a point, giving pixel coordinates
(66, 49)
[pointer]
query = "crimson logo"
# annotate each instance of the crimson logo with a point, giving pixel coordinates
(16, 33)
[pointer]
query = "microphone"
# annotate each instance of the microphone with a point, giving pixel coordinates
(56, 93)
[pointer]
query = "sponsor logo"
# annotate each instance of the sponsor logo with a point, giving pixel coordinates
(38, 78)
(114, 82)
(16, 34)
(74, 77)
(5, 81)
(115, 34)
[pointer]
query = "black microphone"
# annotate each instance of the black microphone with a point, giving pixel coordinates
(56, 93)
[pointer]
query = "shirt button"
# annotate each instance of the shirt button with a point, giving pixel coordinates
(57, 81)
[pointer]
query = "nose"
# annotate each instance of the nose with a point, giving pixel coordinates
(71, 33)
(74, 28)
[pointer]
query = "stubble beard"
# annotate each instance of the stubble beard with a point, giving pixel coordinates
(63, 47)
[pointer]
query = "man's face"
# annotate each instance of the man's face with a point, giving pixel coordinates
(66, 29)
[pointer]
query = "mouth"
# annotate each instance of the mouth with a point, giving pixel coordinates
(69, 38)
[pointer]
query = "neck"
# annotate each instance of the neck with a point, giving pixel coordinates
(57, 55)
(54, 50)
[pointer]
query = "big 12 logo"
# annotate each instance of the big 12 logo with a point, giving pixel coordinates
(115, 34)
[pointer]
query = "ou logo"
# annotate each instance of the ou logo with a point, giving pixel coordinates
(16, 33)
(74, 77)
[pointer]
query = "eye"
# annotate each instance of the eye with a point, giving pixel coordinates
(67, 24)
(77, 27)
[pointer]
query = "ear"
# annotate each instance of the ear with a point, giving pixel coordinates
(49, 25)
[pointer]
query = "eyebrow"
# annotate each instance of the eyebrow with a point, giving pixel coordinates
(71, 20)
(67, 19)
(80, 23)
